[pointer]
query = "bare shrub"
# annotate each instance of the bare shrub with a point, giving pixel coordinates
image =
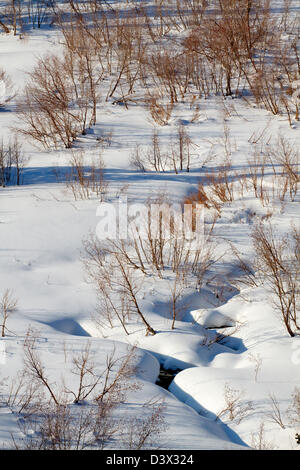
(266, 89)
(38, 11)
(177, 286)
(190, 12)
(85, 180)
(109, 308)
(256, 169)
(233, 49)
(76, 179)
(12, 162)
(99, 182)
(105, 386)
(155, 157)
(176, 156)
(60, 427)
(7, 92)
(5, 165)
(199, 196)
(247, 273)
(184, 145)
(46, 107)
(234, 31)
(109, 383)
(221, 185)
(92, 426)
(68, 427)
(162, 245)
(285, 155)
(160, 110)
(18, 157)
(50, 421)
(57, 103)
(84, 51)
(257, 361)
(137, 160)
(259, 441)
(143, 432)
(294, 408)
(23, 396)
(110, 265)
(235, 408)
(13, 14)
(275, 82)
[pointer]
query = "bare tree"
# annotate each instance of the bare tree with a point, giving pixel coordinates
(34, 366)
(184, 145)
(275, 414)
(38, 11)
(12, 158)
(5, 165)
(278, 262)
(111, 264)
(11, 16)
(8, 304)
(18, 157)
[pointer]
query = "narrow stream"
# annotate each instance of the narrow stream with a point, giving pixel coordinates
(166, 376)
(164, 380)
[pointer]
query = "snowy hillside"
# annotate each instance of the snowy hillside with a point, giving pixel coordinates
(220, 316)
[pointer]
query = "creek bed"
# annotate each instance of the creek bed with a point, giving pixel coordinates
(166, 376)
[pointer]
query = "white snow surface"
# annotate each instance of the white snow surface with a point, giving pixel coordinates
(41, 233)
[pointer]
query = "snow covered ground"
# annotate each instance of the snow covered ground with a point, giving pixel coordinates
(41, 233)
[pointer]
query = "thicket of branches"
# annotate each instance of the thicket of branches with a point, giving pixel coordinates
(138, 55)
(56, 105)
(82, 411)
(155, 249)
(19, 15)
(12, 162)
